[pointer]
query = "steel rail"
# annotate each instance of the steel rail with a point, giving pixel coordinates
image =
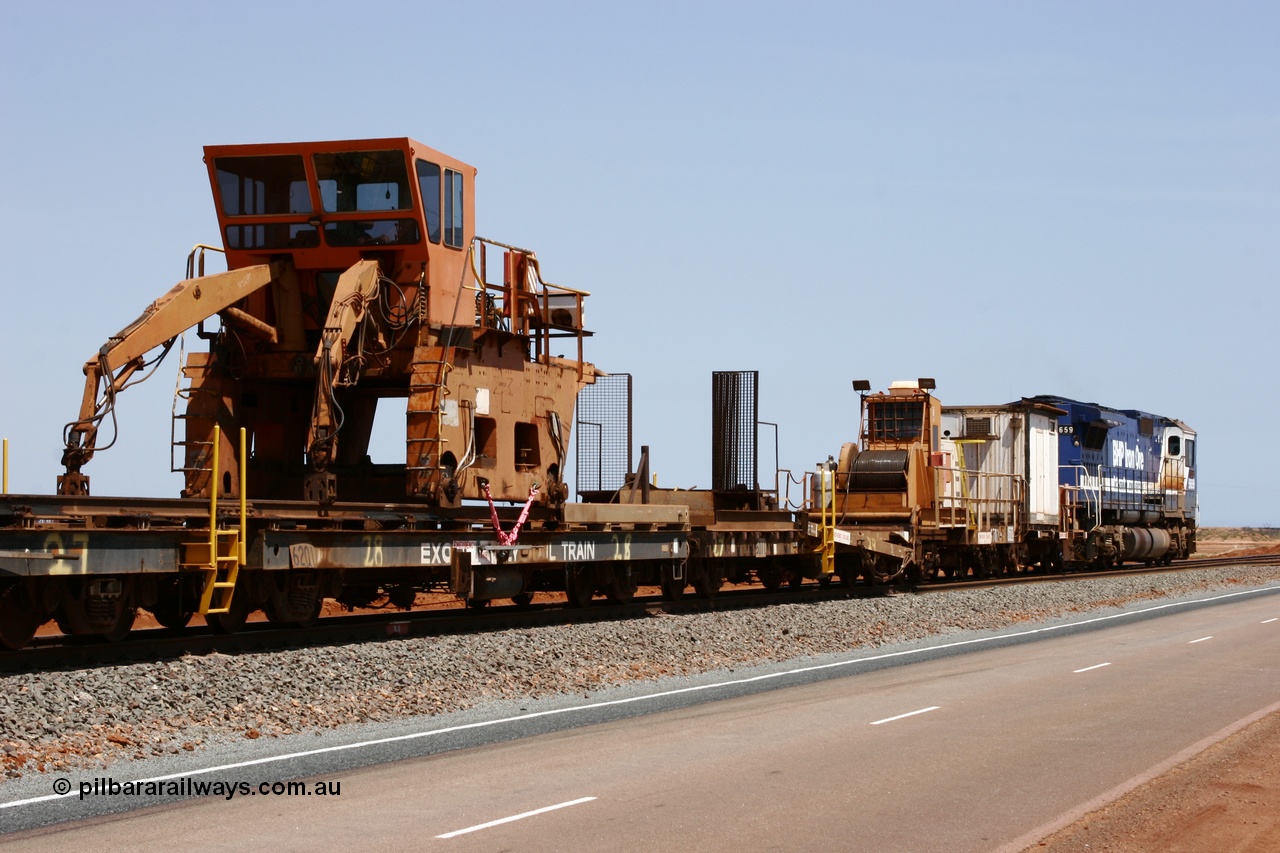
(942, 584)
(155, 644)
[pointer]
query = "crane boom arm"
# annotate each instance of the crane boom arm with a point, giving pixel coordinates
(189, 302)
(356, 289)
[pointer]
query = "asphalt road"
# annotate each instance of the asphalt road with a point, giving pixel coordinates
(958, 752)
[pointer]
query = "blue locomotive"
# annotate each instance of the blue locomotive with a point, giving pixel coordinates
(1128, 479)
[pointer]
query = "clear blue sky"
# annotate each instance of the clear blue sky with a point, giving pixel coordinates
(1079, 198)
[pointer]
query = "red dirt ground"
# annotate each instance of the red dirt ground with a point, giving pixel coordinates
(1227, 798)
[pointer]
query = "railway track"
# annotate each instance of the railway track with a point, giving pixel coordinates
(1180, 565)
(153, 644)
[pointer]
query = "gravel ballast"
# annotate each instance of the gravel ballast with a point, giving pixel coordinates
(81, 719)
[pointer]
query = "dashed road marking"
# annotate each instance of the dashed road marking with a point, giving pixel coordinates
(908, 714)
(515, 817)
(1095, 666)
(1201, 640)
(975, 642)
(1273, 619)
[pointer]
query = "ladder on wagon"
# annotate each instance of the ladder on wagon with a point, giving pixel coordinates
(221, 554)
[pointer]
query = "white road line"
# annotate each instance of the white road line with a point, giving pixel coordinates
(503, 820)
(662, 694)
(908, 714)
(1095, 666)
(1201, 640)
(1274, 619)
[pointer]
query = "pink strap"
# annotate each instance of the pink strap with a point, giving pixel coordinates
(509, 538)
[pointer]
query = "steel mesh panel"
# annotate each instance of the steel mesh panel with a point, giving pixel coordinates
(734, 444)
(602, 449)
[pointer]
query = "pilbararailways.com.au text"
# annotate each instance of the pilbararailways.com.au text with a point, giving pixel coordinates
(186, 786)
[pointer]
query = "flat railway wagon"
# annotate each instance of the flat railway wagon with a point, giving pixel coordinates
(740, 531)
(354, 275)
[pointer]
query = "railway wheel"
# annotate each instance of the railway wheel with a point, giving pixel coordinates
(849, 567)
(402, 596)
(707, 579)
(621, 587)
(295, 602)
(172, 609)
(298, 617)
(771, 577)
(980, 565)
(673, 580)
(522, 600)
(124, 624)
(172, 617)
(18, 619)
(579, 585)
(477, 603)
(232, 621)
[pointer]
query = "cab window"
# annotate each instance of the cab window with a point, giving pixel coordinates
(363, 180)
(429, 186)
(262, 186)
(453, 208)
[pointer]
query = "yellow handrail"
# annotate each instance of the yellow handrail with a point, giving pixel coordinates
(244, 480)
(213, 493)
(828, 515)
(213, 496)
(222, 569)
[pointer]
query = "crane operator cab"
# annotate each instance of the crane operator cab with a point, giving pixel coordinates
(355, 275)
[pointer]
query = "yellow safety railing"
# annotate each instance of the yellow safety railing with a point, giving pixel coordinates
(5, 489)
(963, 468)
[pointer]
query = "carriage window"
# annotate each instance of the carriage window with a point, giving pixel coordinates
(363, 180)
(429, 185)
(256, 186)
(1191, 452)
(453, 208)
(1175, 445)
